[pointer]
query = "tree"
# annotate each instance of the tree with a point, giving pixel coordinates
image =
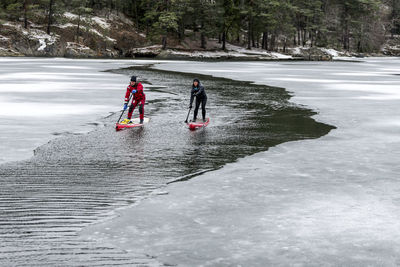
(80, 8)
(167, 21)
(395, 17)
(228, 14)
(50, 15)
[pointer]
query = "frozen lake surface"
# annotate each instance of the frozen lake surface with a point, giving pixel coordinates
(89, 171)
(332, 201)
(41, 98)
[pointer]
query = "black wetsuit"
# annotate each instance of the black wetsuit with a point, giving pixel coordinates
(201, 97)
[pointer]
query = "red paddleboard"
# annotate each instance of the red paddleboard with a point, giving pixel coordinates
(198, 124)
(121, 126)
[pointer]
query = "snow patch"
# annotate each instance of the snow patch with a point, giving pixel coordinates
(102, 36)
(76, 46)
(101, 22)
(42, 45)
(42, 37)
(329, 51)
(3, 38)
(296, 51)
(68, 25)
(280, 56)
(70, 15)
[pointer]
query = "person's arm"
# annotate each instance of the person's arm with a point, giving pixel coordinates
(200, 92)
(139, 89)
(127, 94)
(191, 98)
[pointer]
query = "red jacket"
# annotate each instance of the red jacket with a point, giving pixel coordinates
(138, 96)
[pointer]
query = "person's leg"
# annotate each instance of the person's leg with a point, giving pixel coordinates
(196, 109)
(203, 108)
(141, 112)
(131, 109)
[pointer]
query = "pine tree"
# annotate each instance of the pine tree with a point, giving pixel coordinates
(80, 8)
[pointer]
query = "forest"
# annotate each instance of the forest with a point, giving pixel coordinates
(350, 25)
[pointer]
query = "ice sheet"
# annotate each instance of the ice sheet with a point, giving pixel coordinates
(42, 96)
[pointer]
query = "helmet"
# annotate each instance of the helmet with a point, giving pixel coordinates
(133, 79)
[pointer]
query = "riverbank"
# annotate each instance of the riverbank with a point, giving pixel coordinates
(114, 37)
(329, 201)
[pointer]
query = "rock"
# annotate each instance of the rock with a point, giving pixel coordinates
(391, 50)
(310, 53)
(77, 50)
(4, 52)
(150, 51)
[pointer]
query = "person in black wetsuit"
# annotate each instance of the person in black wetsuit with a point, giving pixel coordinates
(201, 97)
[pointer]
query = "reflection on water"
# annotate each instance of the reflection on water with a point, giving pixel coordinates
(76, 180)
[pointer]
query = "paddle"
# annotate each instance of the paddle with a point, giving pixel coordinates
(124, 109)
(187, 117)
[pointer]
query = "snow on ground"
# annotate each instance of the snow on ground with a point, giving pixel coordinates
(41, 97)
(36, 34)
(77, 46)
(101, 22)
(207, 54)
(332, 201)
(69, 25)
(97, 20)
(102, 36)
(280, 56)
(70, 15)
(3, 38)
(330, 51)
(256, 51)
(231, 52)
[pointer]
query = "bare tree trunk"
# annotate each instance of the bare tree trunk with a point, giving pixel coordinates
(393, 20)
(312, 39)
(181, 30)
(263, 41)
(164, 42)
(258, 41)
(253, 42)
(284, 45)
(202, 35)
(202, 38)
(266, 40)
(203, 41)
(50, 17)
(249, 34)
(136, 14)
(298, 36)
(224, 39)
(272, 42)
(78, 32)
(26, 14)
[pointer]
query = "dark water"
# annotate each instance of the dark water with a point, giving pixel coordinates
(76, 180)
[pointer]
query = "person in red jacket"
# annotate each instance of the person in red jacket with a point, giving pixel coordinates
(139, 98)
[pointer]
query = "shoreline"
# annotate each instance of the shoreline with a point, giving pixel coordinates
(216, 59)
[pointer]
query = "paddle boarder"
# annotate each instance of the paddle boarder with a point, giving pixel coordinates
(199, 93)
(138, 98)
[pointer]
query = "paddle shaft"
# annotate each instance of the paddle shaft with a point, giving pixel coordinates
(124, 109)
(187, 117)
